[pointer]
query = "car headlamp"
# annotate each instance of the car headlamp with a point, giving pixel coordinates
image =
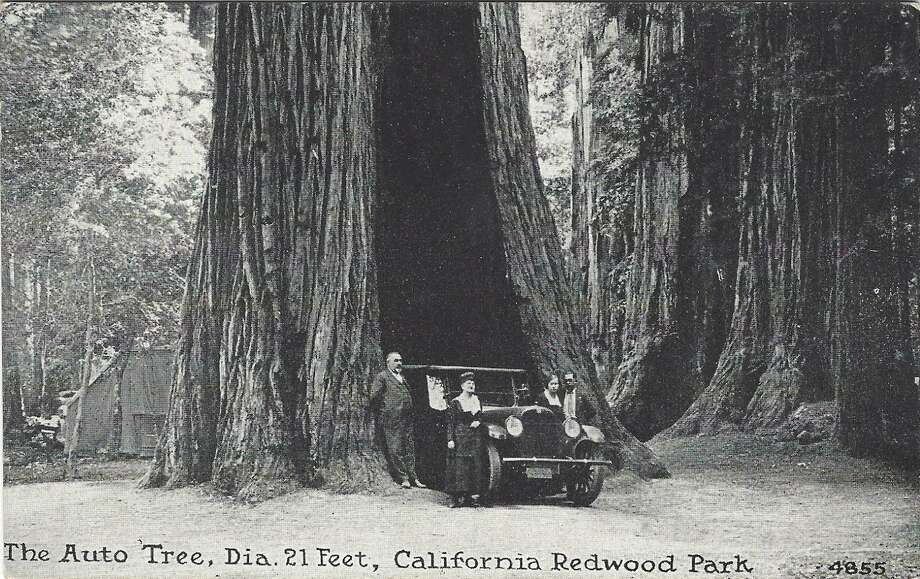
(514, 426)
(571, 427)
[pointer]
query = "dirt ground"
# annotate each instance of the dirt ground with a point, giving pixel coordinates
(784, 510)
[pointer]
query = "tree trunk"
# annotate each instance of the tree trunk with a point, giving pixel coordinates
(598, 249)
(878, 408)
(278, 338)
(533, 257)
(776, 352)
(656, 380)
(88, 336)
(37, 339)
(283, 312)
(87, 373)
(789, 103)
(676, 313)
(744, 358)
(48, 397)
(12, 381)
(807, 171)
(201, 24)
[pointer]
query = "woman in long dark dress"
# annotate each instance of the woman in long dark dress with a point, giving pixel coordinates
(463, 474)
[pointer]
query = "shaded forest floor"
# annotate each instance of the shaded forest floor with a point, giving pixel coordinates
(786, 508)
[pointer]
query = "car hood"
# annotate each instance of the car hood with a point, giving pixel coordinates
(500, 413)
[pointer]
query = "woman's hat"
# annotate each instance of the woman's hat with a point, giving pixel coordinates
(467, 376)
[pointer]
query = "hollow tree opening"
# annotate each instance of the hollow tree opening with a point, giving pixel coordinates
(443, 290)
(335, 123)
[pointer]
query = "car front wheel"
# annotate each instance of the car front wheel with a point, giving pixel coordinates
(492, 476)
(585, 483)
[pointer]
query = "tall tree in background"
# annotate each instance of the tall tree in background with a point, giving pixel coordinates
(813, 196)
(12, 380)
(199, 16)
(324, 235)
(825, 98)
(878, 411)
(606, 137)
(680, 275)
(776, 353)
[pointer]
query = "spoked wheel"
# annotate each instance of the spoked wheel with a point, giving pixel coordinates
(585, 483)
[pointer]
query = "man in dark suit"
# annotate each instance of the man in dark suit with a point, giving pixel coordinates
(391, 401)
(574, 405)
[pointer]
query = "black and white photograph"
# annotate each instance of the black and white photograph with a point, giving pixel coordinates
(624, 290)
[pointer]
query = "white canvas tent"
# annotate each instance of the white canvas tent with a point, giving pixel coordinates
(123, 407)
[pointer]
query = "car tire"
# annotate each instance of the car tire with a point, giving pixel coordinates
(492, 471)
(585, 483)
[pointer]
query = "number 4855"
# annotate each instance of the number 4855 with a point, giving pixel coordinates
(858, 568)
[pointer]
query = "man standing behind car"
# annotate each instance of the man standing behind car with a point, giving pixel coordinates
(390, 399)
(574, 405)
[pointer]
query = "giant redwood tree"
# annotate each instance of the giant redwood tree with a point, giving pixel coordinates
(878, 411)
(373, 184)
(680, 274)
(776, 352)
(816, 302)
(794, 192)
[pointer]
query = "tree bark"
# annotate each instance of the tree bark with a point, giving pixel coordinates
(598, 249)
(762, 162)
(12, 380)
(878, 411)
(532, 253)
(807, 172)
(771, 358)
(278, 319)
(646, 394)
(676, 313)
(281, 315)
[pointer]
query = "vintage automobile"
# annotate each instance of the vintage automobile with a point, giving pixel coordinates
(530, 450)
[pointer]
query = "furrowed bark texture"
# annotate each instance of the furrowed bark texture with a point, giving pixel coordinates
(282, 314)
(793, 194)
(797, 229)
(656, 380)
(595, 254)
(811, 213)
(532, 253)
(279, 320)
(676, 310)
(533, 259)
(773, 354)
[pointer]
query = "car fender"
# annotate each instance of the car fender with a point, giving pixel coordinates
(497, 432)
(593, 434)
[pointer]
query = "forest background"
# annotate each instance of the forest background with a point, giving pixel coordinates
(106, 113)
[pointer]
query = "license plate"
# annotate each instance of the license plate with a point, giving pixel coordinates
(540, 472)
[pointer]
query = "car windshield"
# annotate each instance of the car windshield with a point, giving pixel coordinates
(494, 386)
(488, 398)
